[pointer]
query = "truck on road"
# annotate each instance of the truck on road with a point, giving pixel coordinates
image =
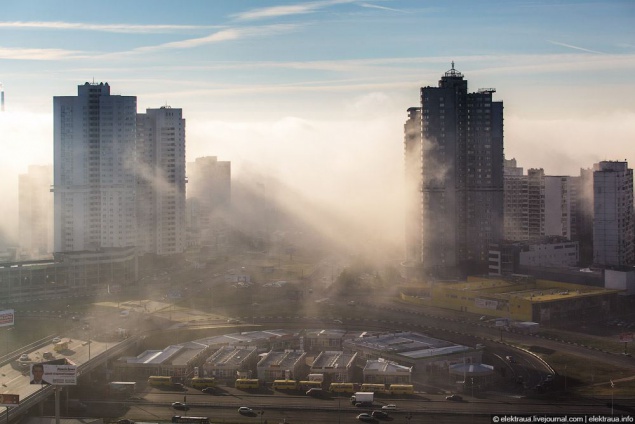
(363, 398)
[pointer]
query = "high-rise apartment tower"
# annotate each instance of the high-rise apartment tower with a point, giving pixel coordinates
(462, 175)
(94, 172)
(613, 215)
(161, 181)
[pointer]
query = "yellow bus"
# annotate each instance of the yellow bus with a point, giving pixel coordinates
(202, 383)
(284, 385)
(342, 388)
(401, 389)
(375, 388)
(310, 384)
(160, 381)
(247, 383)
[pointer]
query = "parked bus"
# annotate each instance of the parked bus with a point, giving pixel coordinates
(284, 385)
(342, 388)
(247, 383)
(201, 382)
(310, 384)
(122, 388)
(160, 381)
(375, 388)
(401, 389)
(190, 420)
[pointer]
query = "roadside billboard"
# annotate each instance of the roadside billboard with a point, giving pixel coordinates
(7, 317)
(626, 337)
(59, 375)
(9, 400)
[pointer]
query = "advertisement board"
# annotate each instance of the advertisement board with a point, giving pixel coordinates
(7, 317)
(9, 400)
(59, 375)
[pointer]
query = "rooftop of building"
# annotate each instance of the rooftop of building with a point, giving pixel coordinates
(174, 355)
(249, 337)
(408, 344)
(286, 359)
(329, 333)
(230, 355)
(381, 365)
(333, 359)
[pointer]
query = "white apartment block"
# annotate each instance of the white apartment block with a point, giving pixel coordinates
(161, 181)
(560, 206)
(35, 207)
(556, 255)
(613, 214)
(94, 173)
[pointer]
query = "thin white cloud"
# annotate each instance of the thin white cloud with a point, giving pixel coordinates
(557, 43)
(220, 36)
(38, 54)
(375, 6)
(119, 28)
(293, 9)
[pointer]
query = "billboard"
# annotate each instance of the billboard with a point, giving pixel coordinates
(7, 317)
(59, 375)
(626, 337)
(9, 400)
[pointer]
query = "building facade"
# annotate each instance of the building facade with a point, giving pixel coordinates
(613, 215)
(35, 207)
(462, 175)
(208, 200)
(412, 177)
(94, 172)
(161, 181)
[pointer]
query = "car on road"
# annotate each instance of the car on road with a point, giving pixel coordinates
(380, 414)
(209, 390)
(180, 406)
(24, 357)
(244, 410)
(455, 398)
(365, 417)
(389, 406)
(56, 340)
(510, 359)
(233, 321)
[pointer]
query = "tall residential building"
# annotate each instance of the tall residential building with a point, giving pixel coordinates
(94, 174)
(539, 205)
(35, 207)
(584, 216)
(161, 181)
(209, 198)
(462, 175)
(560, 206)
(412, 170)
(613, 215)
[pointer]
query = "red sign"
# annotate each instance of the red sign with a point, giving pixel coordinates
(9, 400)
(626, 337)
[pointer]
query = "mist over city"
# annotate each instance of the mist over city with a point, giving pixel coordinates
(316, 211)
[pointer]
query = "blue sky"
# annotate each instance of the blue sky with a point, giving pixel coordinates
(297, 88)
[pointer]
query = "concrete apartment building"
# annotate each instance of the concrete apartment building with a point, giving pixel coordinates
(35, 217)
(462, 175)
(160, 193)
(413, 175)
(613, 215)
(94, 173)
(208, 200)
